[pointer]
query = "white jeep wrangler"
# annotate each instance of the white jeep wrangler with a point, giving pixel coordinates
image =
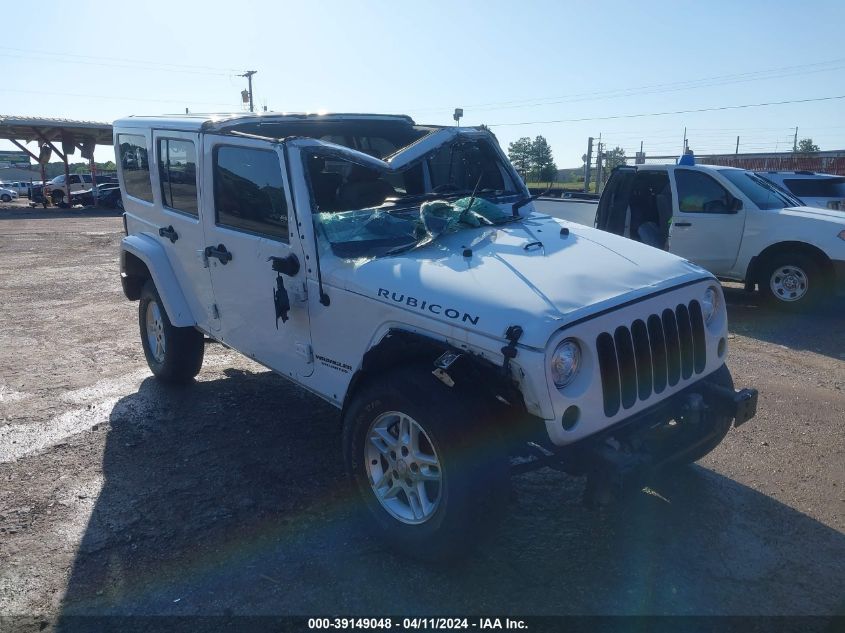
(399, 272)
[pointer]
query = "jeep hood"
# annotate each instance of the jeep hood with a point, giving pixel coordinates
(528, 273)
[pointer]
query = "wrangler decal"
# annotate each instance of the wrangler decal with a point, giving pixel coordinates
(427, 306)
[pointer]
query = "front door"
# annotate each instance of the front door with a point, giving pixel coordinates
(707, 224)
(250, 230)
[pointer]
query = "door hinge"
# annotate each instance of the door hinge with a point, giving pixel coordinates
(300, 293)
(304, 350)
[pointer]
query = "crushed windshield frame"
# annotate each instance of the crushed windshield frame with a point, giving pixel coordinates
(397, 218)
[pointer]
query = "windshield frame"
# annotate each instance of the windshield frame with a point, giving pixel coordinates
(406, 158)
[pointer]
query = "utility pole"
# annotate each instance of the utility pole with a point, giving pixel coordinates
(795, 140)
(599, 157)
(588, 160)
(248, 74)
(684, 149)
(737, 146)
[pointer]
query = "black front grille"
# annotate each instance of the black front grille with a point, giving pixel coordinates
(638, 361)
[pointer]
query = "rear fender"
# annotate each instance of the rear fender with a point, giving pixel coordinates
(151, 253)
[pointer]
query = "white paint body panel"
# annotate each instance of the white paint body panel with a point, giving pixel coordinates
(467, 302)
(580, 211)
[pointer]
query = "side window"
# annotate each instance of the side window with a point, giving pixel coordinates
(74, 179)
(249, 191)
(86, 179)
(177, 168)
(699, 193)
(135, 164)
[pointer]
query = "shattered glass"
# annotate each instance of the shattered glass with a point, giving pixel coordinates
(365, 207)
(377, 232)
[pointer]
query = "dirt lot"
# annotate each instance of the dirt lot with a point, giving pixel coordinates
(122, 496)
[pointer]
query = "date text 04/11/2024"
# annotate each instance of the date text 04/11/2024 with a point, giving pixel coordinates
(416, 623)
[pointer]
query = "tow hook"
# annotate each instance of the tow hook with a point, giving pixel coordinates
(742, 403)
(614, 474)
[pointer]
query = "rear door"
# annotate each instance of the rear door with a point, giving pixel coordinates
(171, 218)
(250, 227)
(613, 205)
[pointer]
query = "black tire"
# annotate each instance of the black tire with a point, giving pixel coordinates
(717, 419)
(792, 281)
(6, 197)
(473, 462)
(184, 347)
(57, 196)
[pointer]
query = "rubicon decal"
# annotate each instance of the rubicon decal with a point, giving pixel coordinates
(431, 307)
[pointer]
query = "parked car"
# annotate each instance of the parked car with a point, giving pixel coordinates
(453, 327)
(825, 191)
(105, 195)
(733, 223)
(19, 187)
(7, 195)
(57, 189)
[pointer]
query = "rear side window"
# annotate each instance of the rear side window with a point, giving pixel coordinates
(699, 193)
(816, 187)
(177, 168)
(86, 178)
(249, 192)
(135, 164)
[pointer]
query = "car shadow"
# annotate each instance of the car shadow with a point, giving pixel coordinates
(228, 497)
(821, 330)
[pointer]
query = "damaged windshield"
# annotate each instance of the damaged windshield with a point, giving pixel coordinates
(365, 210)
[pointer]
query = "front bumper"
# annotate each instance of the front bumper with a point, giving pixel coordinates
(670, 431)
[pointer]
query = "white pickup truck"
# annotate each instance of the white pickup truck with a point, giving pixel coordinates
(398, 271)
(730, 221)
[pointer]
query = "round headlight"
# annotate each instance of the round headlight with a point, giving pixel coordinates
(710, 303)
(565, 362)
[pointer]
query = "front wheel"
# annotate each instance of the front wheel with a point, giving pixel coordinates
(428, 462)
(792, 281)
(6, 197)
(174, 354)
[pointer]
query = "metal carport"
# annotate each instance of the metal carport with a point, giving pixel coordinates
(70, 135)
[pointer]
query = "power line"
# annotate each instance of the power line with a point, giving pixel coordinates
(158, 65)
(105, 64)
(113, 98)
(648, 114)
(715, 80)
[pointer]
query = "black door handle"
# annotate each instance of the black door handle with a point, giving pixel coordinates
(220, 252)
(169, 232)
(683, 223)
(285, 265)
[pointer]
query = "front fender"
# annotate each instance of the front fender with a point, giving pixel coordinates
(151, 253)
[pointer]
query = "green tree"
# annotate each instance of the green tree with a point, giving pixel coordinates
(614, 158)
(519, 153)
(542, 161)
(806, 146)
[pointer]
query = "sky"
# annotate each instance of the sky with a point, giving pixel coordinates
(566, 71)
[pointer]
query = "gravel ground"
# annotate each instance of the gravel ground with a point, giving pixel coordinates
(122, 496)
